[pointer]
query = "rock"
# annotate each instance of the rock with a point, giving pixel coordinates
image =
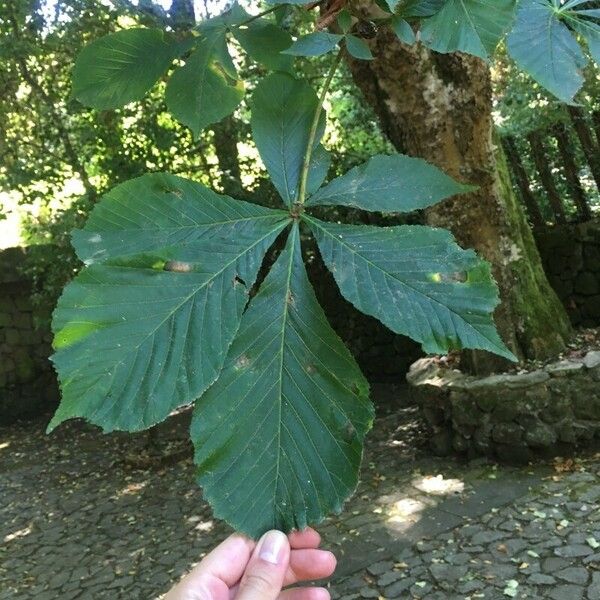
(526, 379)
(541, 579)
(380, 567)
(441, 442)
(592, 359)
(514, 454)
(398, 589)
(564, 368)
(540, 435)
(573, 551)
(445, 573)
(593, 592)
(566, 592)
(369, 592)
(577, 575)
(507, 433)
(389, 577)
(553, 564)
(465, 411)
(587, 283)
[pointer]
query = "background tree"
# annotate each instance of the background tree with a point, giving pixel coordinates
(438, 106)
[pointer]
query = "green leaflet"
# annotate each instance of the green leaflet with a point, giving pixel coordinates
(279, 436)
(417, 281)
(586, 22)
(419, 8)
(282, 112)
(473, 26)
(264, 42)
(202, 92)
(319, 166)
(542, 45)
(121, 67)
(358, 48)
(395, 183)
(159, 211)
(135, 341)
(403, 30)
(314, 44)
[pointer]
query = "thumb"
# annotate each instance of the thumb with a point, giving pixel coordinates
(266, 569)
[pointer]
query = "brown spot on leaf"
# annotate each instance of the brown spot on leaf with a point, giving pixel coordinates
(242, 362)
(178, 266)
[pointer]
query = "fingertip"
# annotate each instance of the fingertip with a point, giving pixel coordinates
(307, 538)
(319, 594)
(330, 560)
(274, 548)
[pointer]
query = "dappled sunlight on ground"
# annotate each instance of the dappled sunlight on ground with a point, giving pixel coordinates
(83, 515)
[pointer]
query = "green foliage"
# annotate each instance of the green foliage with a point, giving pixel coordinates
(283, 109)
(193, 89)
(314, 44)
(417, 281)
(358, 48)
(283, 426)
(170, 309)
(472, 26)
(389, 184)
(143, 323)
(121, 67)
(547, 29)
(151, 322)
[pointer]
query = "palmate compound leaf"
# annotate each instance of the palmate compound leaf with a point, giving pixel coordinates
(278, 437)
(395, 183)
(472, 26)
(121, 67)
(145, 328)
(282, 112)
(417, 281)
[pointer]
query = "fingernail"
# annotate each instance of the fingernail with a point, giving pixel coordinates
(271, 546)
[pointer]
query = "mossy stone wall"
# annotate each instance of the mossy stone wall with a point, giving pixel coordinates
(27, 382)
(571, 257)
(511, 417)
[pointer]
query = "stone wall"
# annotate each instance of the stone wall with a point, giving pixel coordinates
(511, 417)
(571, 257)
(27, 382)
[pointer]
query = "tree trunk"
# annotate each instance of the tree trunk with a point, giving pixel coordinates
(571, 172)
(520, 175)
(590, 150)
(596, 121)
(182, 13)
(438, 107)
(225, 138)
(540, 158)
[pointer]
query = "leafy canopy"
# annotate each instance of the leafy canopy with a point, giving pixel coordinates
(170, 309)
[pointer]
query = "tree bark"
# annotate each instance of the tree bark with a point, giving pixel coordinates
(438, 107)
(225, 138)
(182, 13)
(520, 175)
(540, 158)
(590, 149)
(576, 191)
(596, 121)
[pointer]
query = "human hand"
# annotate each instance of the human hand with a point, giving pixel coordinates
(242, 569)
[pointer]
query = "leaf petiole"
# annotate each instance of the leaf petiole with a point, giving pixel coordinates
(313, 128)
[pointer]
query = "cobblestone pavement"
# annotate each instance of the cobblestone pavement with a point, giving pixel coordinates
(83, 515)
